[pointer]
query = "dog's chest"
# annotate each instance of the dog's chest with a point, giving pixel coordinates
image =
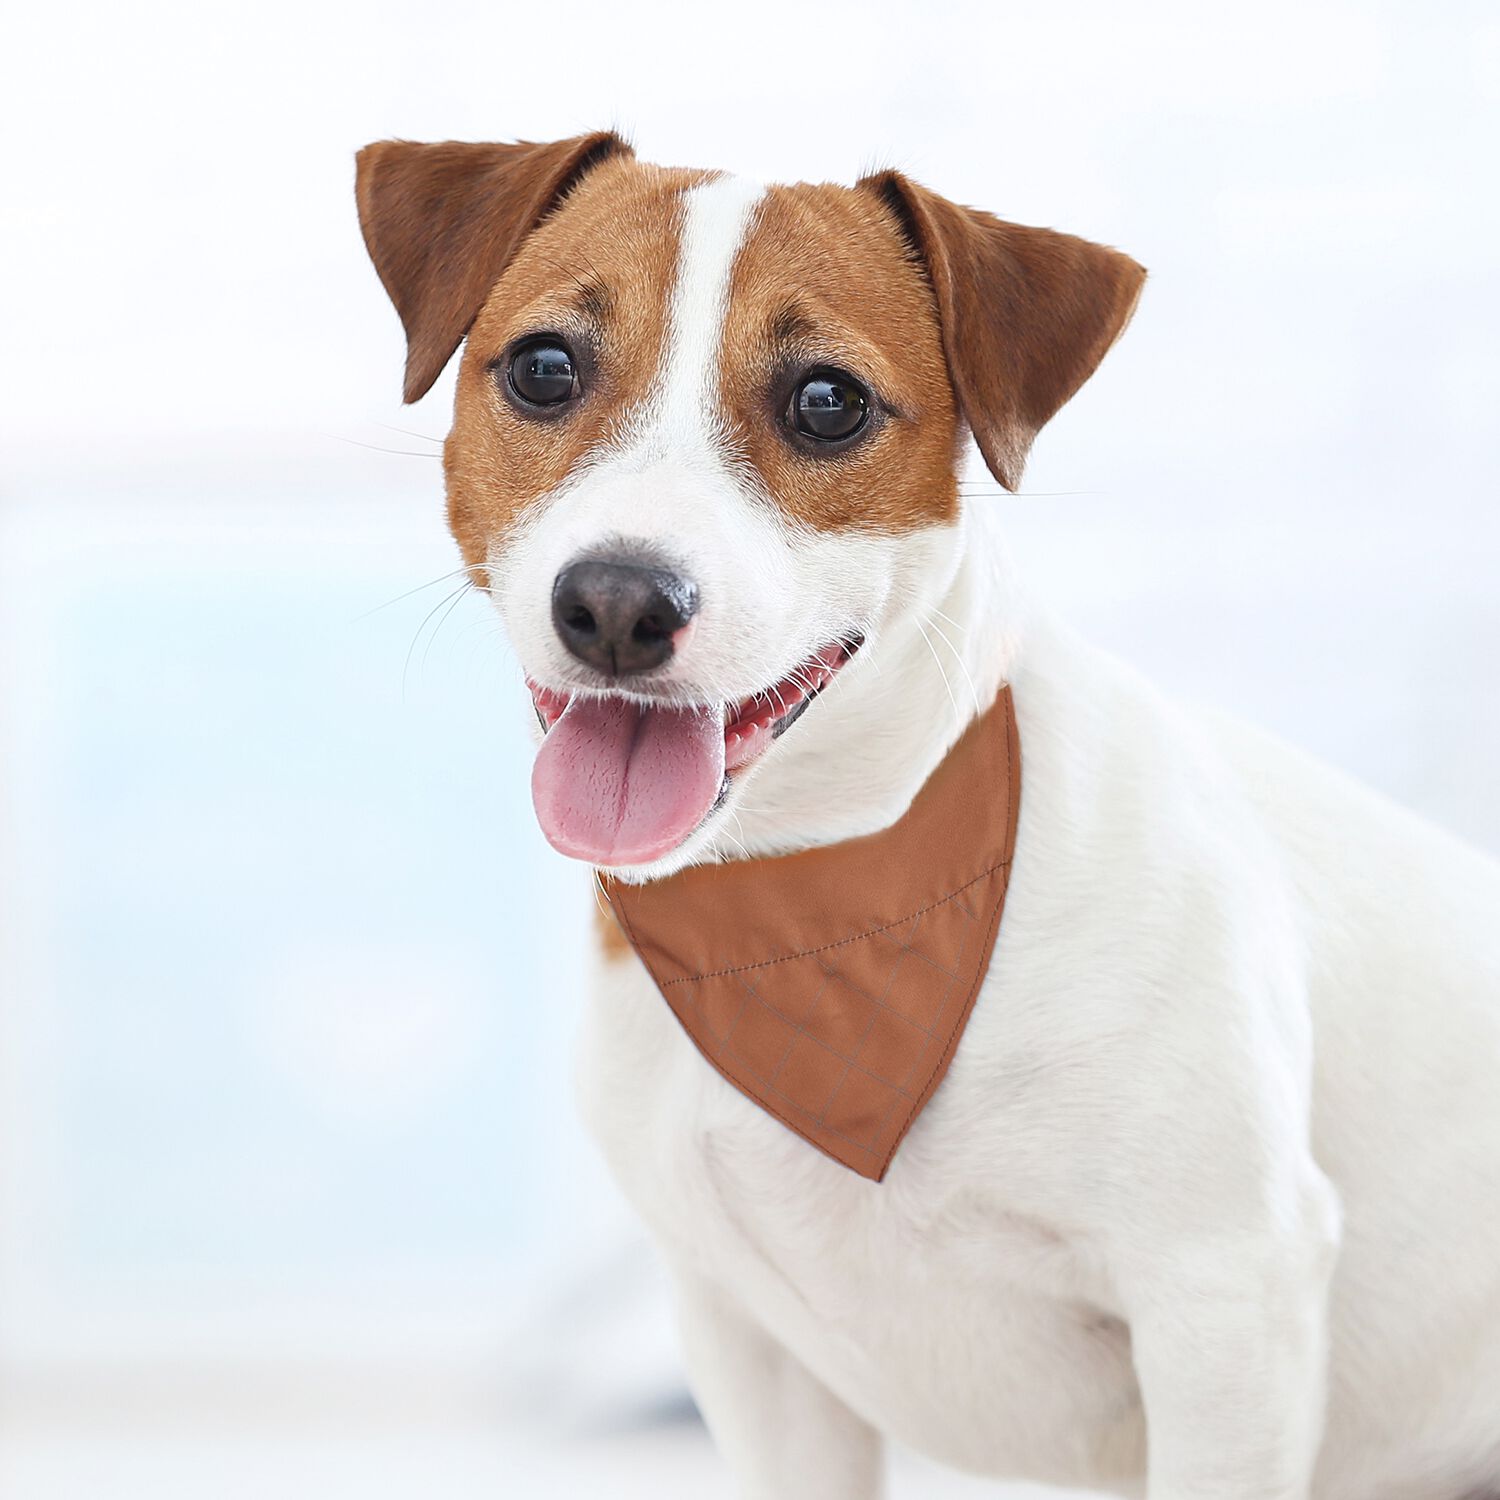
(949, 1318)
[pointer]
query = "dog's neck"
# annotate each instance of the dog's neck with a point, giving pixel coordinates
(856, 759)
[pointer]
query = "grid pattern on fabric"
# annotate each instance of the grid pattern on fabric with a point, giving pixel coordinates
(842, 1043)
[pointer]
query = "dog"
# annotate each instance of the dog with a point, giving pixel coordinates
(1207, 1206)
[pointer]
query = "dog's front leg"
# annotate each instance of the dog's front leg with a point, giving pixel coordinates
(1230, 1347)
(784, 1435)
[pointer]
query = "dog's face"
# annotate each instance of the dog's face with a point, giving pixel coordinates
(707, 437)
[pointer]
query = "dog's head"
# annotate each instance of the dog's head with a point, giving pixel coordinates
(707, 439)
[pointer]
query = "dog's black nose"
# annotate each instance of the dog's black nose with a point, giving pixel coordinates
(621, 617)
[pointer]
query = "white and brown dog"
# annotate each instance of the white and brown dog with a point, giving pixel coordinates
(1208, 1205)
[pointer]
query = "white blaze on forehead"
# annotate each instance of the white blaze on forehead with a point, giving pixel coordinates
(717, 217)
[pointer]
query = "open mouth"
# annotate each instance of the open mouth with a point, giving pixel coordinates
(620, 781)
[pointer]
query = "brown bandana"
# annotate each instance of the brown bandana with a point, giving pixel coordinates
(832, 986)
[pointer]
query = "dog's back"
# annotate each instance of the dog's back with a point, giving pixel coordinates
(1401, 923)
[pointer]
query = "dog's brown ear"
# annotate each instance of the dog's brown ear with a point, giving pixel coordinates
(1027, 314)
(443, 221)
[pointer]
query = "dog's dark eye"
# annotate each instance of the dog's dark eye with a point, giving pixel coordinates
(828, 405)
(543, 373)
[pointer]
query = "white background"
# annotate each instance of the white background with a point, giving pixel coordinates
(291, 1199)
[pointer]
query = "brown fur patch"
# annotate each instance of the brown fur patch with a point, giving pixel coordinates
(599, 271)
(442, 220)
(1026, 314)
(824, 278)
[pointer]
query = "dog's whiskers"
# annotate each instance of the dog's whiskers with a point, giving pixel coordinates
(588, 291)
(452, 601)
(602, 901)
(932, 609)
(422, 587)
(937, 662)
(407, 432)
(738, 842)
(377, 448)
(963, 666)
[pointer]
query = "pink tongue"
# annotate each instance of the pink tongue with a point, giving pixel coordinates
(616, 783)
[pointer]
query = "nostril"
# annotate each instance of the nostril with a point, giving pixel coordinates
(580, 620)
(649, 629)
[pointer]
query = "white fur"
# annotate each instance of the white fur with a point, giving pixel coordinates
(683, 412)
(1208, 1205)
